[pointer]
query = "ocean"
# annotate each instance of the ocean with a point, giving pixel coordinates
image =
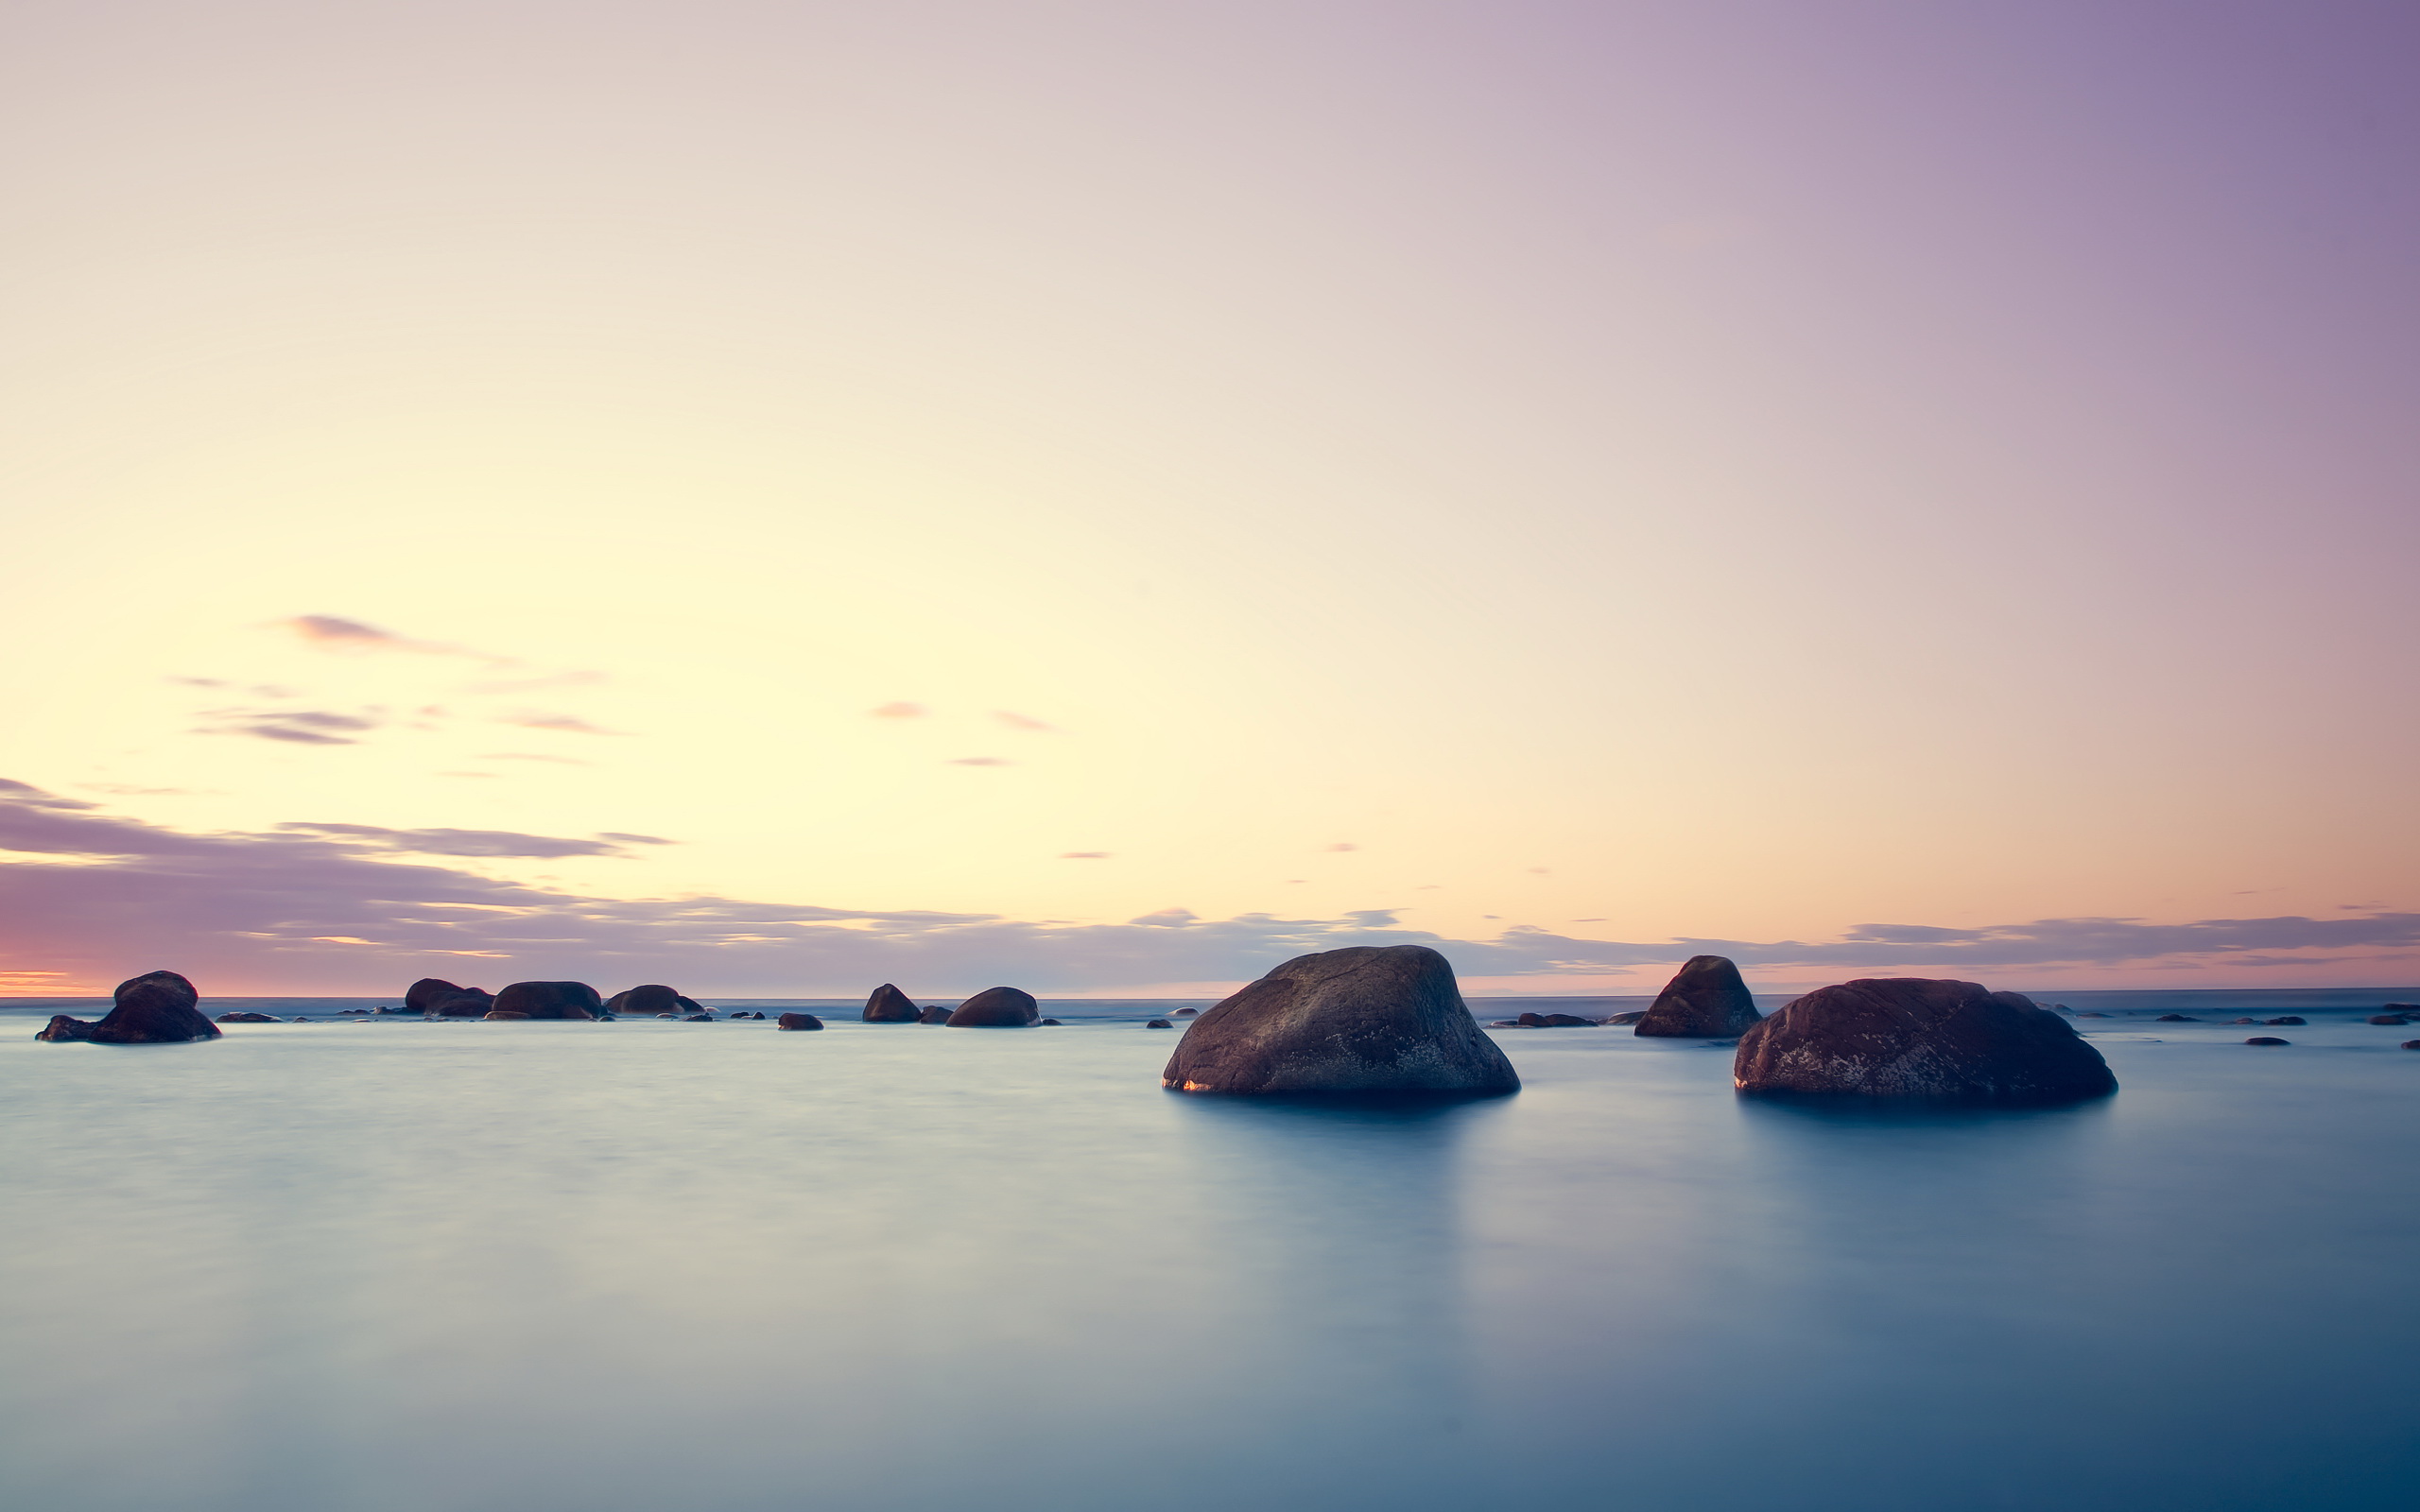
(396, 1266)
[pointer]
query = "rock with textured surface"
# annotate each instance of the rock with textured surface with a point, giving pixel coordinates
(650, 997)
(156, 1008)
(890, 1005)
(503, 1016)
(550, 1000)
(1632, 1016)
(997, 1007)
(425, 994)
(66, 1029)
(1365, 1019)
(1916, 1037)
(471, 1002)
(797, 1021)
(1706, 1000)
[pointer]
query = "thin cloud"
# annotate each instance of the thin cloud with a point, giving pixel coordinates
(1083, 855)
(1344, 845)
(900, 711)
(458, 842)
(1167, 918)
(633, 839)
(332, 632)
(1016, 721)
(298, 727)
(571, 723)
(981, 761)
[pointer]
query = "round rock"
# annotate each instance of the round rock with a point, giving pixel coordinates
(1706, 1000)
(997, 1007)
(1916, 1037)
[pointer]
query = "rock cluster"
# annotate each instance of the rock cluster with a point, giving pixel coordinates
(156, 1008)
(1706, 1000)
(1366, 1019)
(1914, 1037)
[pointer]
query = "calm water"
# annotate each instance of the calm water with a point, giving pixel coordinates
(519, 1267)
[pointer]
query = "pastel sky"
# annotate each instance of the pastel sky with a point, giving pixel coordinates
(778, 497)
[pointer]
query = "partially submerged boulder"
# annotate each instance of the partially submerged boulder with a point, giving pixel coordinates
(1186, 1013)
(548, 1000)
(797, 1021)
(156, 1008)
(1365, 1019)
(2388, 1018)
(933, 1016)
(500, 1015)
(653, 997)
(2266, 1040)
(997, 1007)
(1915, 1037)
(1159, 1023)
(471, 1002)
(249, 1018)
(891, 1006)
(428, 991)
(2176, 1018)
(1706, 1000)
(2288, 1018)
(1632, 1016)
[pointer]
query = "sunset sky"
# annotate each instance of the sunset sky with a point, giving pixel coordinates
(1105, 497)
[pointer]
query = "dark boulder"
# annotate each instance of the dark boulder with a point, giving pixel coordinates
(1159, 1023)
(248, 1018)
(890, 1005)
(653, 997)
(2176, 1017)
(471, 1002)
(2266, 1040)
(63, 1029)
(691, 1005)
(698, 1018)
(1365, 1019)
(1915, 1037)
(997, 1007)
(1185, 1013)
(551, 1000)
(2288, 1018)
(2407, 1044)
(2090, 1014)
(502, 1015)
(1706, 1000)
(797, 1021)
(428, 991)
(156, 1008)
(2243, 1020)
(2388, 1018)
(1554, 1020)
(933, 1016)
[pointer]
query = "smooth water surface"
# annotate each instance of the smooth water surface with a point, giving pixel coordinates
(518, 1267)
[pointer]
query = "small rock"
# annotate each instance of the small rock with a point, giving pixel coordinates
(2266, 1040)
(63, 1029)
(1049, 1023)
(2388, 1018)
(2089, 1014)
(933, 1016)
(1159, 1023)
(2176, 1017)
(1632, 1016)
(2243, 1020)
(1568, 1020)
(1506, 1023)
(471, 1002)
(2412, 1044)
(1185, 1013)
(798, 1021)
(246, 1018)
(697, 1018)
(2288, 1018)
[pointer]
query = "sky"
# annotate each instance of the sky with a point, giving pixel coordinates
(1107, 497)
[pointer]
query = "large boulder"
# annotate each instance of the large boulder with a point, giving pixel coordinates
(1706, 1000)
(1366, 1019)
(156, 1008)
(471, 1002)
(891, 1006)
(427, 993)
(997, 1007)
(1914, 1037)
(550, 1000)
(653, 998)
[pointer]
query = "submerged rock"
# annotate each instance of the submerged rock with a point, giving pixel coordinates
(2243, 1020)
(890, 1005)
(1554, 1020)
(471, 1002)
(551, 1000)
(997, 1007)
(697, 1018)
(1365, 1019)
(2388, 1018)
(1706, 1000)
(156, 1008)
(2090, 1014)
(2266, 1040)
(1185, 1013)
(797, 1021)
(66, 1029)
(1916, 1037)
(248, 1018)
(1159, 1023)
(933, 1016)
(649, 997)
(1049, 1023)
(2407, 1044)
(2288, 1019)
(2176, 1017)
(1632, 1016)
(502, 1014)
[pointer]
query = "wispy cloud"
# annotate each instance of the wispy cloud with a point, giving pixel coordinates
(900, 711)
(551, 680)
(633, 839)
(1083, 855)
(299, 727)
(460, 842)
(331, 633)
(571, 723)
(1344, 845)
(1017, 721)
(981, 761)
